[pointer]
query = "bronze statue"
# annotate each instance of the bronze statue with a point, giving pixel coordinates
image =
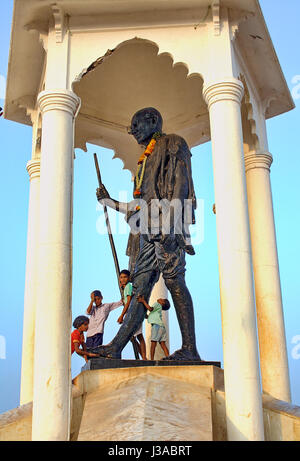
(164, 176)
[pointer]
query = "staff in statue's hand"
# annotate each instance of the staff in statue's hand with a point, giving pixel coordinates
(102, 193)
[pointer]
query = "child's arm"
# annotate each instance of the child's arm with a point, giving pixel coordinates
(125, 309)
(83, 352)
(114, 306)
(141, 299)
(90, 306)
(84, 349)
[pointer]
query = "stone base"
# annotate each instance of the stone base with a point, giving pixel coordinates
(103, 363)
(137, 402)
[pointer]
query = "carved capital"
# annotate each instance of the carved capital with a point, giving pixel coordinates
(34, 168)
(267, 101)
(60, 100)
(229, 89)
(28, 103)
(258, 160)
(237, 17)
(215, 7)
(59, 22)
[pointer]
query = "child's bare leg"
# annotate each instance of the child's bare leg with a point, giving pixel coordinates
(142, 348)
(153, 347)
(164, 348)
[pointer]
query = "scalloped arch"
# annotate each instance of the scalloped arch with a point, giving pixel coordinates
(109, 52)
(181, 74)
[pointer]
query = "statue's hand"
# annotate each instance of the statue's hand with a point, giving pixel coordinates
(170, 242)
(182, 243)
(102, 193)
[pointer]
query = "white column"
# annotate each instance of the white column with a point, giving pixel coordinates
(159, 291)
(240, 349)
(33, 168)
(270, 321)
(52, 377)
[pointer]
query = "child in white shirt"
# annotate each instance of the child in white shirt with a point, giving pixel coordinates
(98, 314)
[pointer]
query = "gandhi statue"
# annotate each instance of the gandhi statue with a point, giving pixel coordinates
(164, 176)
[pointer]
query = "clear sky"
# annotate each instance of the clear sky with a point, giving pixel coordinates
(93, 265)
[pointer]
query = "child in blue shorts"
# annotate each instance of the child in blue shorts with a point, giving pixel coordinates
(158, 329)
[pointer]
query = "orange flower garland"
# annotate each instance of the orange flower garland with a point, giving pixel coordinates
(142, 164)
(148, 151)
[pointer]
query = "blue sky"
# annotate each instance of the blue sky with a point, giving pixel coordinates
(93, 265)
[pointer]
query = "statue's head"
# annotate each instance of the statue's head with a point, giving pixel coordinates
(144, 124)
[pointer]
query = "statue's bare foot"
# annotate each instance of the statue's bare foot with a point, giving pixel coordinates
(109, 352)
(184, 355)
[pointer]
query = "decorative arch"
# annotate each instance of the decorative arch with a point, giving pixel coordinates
(131, 76)
(109, 52)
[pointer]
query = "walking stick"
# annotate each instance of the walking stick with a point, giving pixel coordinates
(113, 249)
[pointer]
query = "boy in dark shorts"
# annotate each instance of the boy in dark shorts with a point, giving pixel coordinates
(158, 329)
